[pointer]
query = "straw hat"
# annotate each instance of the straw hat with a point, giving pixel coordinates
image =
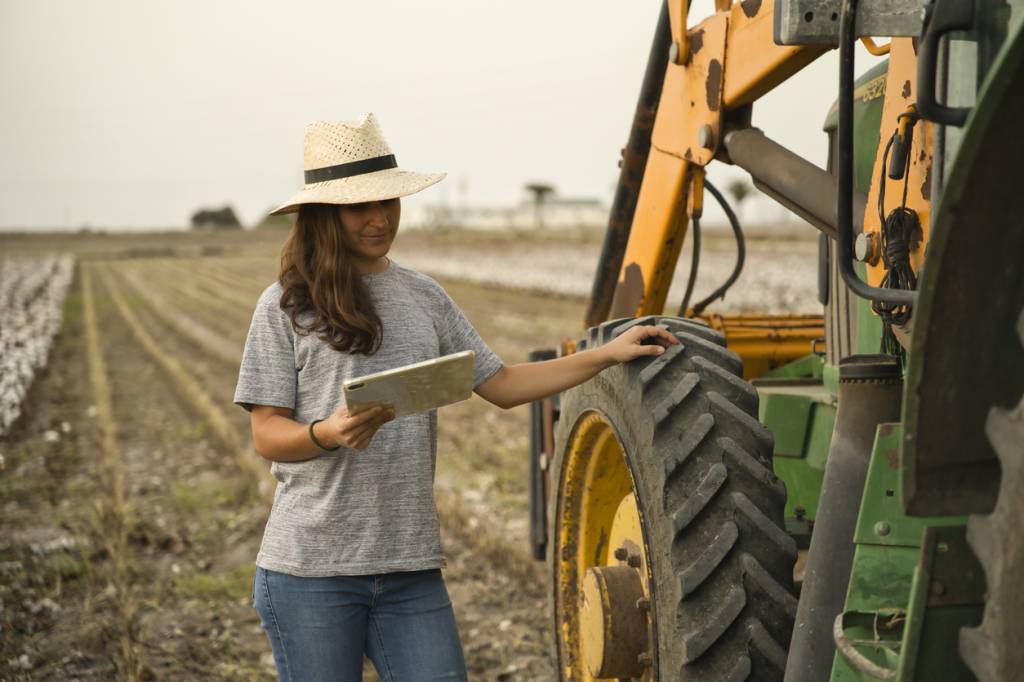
(349, 162)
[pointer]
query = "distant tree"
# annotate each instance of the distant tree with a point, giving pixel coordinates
(218, 219)
(740, 189)
(540, 192)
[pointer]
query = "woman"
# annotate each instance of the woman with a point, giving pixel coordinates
(351, 556)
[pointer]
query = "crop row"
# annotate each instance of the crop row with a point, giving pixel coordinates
(110, 520)
(156, 296)
(189, 386)
(32, 293)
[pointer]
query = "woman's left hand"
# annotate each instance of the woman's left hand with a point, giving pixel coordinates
(638, 341)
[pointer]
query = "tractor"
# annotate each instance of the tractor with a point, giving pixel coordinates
(805, 498)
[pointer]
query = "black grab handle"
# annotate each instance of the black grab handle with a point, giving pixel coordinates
(941, 17)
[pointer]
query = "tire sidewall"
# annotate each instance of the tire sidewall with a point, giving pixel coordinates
(616, 395)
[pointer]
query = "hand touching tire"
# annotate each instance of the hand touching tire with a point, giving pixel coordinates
(639, 341)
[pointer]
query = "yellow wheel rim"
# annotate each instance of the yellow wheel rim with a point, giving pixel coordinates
(596, 514)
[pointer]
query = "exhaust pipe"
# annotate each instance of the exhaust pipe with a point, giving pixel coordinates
(870, 393)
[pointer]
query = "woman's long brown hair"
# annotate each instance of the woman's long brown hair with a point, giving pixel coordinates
(318, 275)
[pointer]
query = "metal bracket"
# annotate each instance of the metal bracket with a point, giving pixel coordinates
(816, 22)
(689, 122)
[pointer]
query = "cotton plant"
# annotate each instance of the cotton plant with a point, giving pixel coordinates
(32, 293)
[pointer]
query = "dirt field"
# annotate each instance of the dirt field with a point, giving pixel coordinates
(132, 502)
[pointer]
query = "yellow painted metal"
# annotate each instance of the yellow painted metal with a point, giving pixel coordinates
(594, 504)
(754, 64)
(627, 532)
(768, 341)
(693, 97)
(901, 80)
(595, 622)
(656, 239)
(905, 120)
(695, 197)
(874, 48)
(764, 342)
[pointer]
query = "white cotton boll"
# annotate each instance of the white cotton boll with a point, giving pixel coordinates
(32, 294)
(13, 393)
(11, 415)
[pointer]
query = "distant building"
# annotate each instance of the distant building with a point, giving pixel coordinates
(557, 213)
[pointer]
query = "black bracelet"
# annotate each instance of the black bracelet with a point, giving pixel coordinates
(312, 437)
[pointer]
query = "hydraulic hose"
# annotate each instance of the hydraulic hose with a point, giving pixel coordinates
(741, 250)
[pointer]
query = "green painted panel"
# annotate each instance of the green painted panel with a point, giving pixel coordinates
(820, 437)
(830, 378)
(787, 416)
(803, 486)
(882, 577)
(881, 520)
(881, 580)
(948, 593)
(800, 413)
(869, 96)
(868, 337)
(808, 366)
(886, 575)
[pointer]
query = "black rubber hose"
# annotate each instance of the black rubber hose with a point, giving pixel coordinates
(844, 201)
(741, 250)
(694, 263)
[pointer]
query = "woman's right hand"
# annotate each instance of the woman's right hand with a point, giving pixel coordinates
(355, 430)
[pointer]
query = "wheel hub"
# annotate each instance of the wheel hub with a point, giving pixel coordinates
(613, 622)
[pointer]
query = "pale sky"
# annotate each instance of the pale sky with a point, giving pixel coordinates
(133, 114)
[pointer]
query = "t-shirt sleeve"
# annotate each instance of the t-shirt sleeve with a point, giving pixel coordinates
(455, 334)
(267, 375)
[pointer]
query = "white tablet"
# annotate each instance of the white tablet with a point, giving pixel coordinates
(414, 388)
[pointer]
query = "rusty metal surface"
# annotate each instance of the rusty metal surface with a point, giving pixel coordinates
(815, 22)
(613, 628)
(634, 160)
(901, 82)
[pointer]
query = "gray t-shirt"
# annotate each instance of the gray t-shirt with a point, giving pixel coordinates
(356, 512)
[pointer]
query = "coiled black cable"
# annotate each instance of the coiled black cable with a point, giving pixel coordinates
(901, 230)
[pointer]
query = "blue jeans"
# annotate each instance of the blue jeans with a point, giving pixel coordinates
(320, 628)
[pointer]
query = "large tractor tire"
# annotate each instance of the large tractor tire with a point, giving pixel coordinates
(993, 650)
(667, 543)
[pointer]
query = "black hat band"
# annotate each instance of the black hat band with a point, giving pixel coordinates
(347, 170)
